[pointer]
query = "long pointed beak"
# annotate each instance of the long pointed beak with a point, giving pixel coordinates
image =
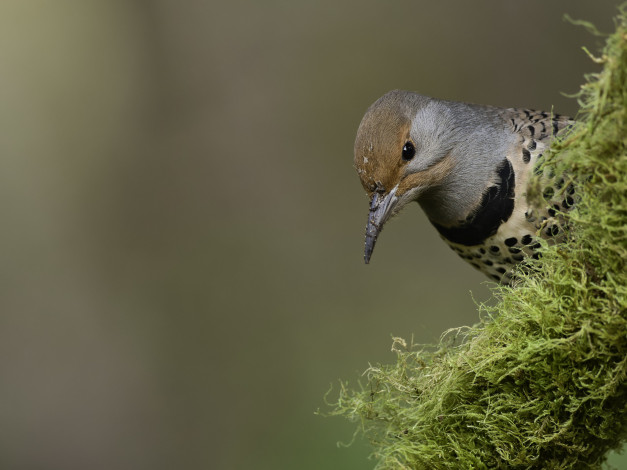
(381, 207)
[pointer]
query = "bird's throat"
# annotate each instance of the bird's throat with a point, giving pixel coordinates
(496, 207)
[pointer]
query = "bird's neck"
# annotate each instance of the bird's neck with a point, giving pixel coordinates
(449, 205)
(495, 208)
(480, 165)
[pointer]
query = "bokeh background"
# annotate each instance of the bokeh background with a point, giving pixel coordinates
(182, 230)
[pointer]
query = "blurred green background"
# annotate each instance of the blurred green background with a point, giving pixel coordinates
(182, 229)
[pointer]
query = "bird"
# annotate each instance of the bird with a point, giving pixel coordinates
(469, 167)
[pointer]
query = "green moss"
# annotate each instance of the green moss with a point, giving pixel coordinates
(540, 381)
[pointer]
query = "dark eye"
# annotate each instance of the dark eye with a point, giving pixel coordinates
(408, 151)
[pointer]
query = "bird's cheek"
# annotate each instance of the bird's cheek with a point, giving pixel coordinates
(412, 186)
(425, 179)
(412, 194)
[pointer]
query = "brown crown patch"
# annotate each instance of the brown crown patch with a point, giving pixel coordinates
(380, 139)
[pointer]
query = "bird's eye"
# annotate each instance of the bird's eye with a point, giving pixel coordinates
(408, 151)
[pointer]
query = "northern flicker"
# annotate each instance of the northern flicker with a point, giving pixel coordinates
(468, 167)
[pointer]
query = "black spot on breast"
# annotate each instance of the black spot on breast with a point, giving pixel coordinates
(532, 130)
(532, 145)
(511, 241)
(496, 208)
(526, 239)
(526, 155)
(548, 193)
(559, 184)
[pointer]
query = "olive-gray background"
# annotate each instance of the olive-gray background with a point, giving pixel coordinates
(182, 228)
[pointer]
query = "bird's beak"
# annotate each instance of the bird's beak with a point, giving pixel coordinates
(381, 207)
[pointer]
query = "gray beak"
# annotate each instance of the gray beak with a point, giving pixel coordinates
(381, 207)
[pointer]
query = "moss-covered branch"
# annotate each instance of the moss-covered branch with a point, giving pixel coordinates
(540, 381)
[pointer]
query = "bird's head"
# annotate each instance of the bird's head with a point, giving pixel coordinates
(402, 152)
